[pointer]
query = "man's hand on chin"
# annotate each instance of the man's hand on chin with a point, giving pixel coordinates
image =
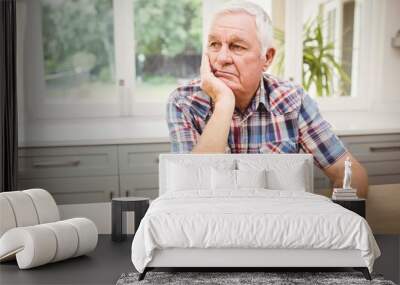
(214, 87)
(215, 134)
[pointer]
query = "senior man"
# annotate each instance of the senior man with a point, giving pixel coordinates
(236, 107)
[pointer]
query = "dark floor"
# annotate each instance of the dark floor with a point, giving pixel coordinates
(102, 266)
(111, 259)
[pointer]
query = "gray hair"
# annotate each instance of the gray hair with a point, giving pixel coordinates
(263, 21)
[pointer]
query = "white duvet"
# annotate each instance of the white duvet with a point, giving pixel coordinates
(252, 218)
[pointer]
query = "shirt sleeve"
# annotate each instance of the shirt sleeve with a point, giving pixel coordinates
(183, 135)
(316, 136)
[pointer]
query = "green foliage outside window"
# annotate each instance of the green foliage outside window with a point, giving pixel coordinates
(319, 62)
(78, 35)
(168, 27)
(168, 40)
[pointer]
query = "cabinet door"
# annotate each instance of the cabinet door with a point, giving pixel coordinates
(143, 185)
(76, 190)
(77, 161)
(138, 168)
(379, 154)
(140, 158)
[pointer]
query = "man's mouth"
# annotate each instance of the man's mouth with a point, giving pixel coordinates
(219, 73)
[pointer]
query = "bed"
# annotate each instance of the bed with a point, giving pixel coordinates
(246, 211)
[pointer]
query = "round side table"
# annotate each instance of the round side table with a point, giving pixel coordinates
(139, 205)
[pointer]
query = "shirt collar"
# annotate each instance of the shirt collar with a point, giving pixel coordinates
(259, 102)
(261, 97)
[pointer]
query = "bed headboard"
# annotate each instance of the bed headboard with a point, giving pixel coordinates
(287, 160)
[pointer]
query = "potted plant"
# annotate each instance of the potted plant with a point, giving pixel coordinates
(319, 62)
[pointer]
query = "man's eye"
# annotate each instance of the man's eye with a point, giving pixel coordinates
(213, 44)
(237, 47)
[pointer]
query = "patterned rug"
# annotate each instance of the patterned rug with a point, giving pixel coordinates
(242, 278)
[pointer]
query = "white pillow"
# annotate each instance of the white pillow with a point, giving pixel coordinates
(228, 179)
(251, 178)
(291, 179)
(191, 174)
(223, 179)
(183, 177)
(282, 174)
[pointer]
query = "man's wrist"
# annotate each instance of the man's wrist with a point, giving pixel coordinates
(225, 103)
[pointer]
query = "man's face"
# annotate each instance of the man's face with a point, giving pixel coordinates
(235, 52)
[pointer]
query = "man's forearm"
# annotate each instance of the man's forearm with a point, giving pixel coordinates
(215, 134)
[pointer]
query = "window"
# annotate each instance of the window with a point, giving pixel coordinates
(69, 58)
(330, 48)
(110, 58)
(332, 69)
(168, 41)
(91, 58)
(78, 50)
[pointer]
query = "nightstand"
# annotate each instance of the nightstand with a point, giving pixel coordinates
(119, 205)
(356, 205)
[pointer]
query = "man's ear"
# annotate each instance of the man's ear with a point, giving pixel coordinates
(269, 56)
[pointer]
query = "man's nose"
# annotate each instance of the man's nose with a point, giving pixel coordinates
(224, 56)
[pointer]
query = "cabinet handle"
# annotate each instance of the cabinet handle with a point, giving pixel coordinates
(126, 193)
(56, 163)
(157, 160)
(384, 148)
(111, 195)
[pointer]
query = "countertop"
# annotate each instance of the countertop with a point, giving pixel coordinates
(132, 130)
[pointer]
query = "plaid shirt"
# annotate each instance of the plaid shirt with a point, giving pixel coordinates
(281, 118)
